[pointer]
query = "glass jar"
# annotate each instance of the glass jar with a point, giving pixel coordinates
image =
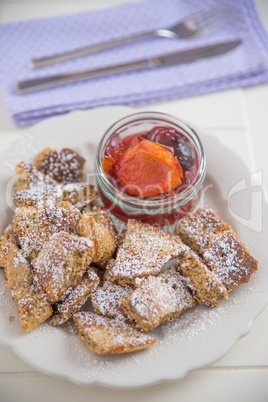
(158, 212)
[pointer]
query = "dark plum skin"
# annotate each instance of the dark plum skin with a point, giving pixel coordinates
(172, 138)
(114, 146)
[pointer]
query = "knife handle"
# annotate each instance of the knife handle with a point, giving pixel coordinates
(62, 79)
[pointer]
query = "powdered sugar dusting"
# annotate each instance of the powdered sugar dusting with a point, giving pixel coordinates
(196, 227)
(229, 259)
(64, 166)
(144, 251)
(39, 193)
(33, 226)
(61, 263)
(153, 299)
(109, 336)
(107, 299)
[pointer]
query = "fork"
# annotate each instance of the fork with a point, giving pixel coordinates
(197, 25)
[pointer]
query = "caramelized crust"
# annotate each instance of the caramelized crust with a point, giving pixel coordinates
(28, 176)
(107, 299)
(10, 235)
(33, 306)
(76, 298)
(33, 226)
(144, 251)
(206, 287)
(105, 336)
(61, 263)
(41, 156)
(18, 271)
(40, 193)
(229, 259)
(195, 228)
(79, 194)
(99, 229)
(158, 299)
(64, 166)
(32, 303)
(34, 187)
(100, 216)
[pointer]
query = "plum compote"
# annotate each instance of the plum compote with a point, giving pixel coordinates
(150, 166)
(156, 164)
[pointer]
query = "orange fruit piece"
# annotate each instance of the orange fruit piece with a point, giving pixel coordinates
(147, 169)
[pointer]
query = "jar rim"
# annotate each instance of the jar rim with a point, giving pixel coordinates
(134, 202)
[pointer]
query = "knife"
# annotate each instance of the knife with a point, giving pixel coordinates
(187, 56)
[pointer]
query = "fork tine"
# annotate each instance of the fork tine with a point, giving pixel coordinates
(214, 11)
(199, 24)
(213, 21)
(213, 15)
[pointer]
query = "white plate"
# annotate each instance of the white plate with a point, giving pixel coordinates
(198, 338)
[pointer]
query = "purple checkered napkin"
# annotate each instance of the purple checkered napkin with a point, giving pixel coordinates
(19, 42)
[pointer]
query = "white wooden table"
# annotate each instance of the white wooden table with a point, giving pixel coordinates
(239, 119)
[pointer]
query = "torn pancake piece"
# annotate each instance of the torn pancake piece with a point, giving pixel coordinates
(107, 299)
(64, 166)
(40, 193)
(76, 298)
(61, 263)
(195, 228)
(100, 215)
(28, 176)
(33, 187)
(144, 251)
(33, 226)
(103, 218)
(107, 336)
(33, 306)
(158, 299)
(10, 235)
(102, 233)
(79, 194)
(204, 284)
(229, 259)
(18, 271)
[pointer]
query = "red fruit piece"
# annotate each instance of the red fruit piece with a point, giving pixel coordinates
(112, 152)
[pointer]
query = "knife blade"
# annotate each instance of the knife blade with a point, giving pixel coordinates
(187, 56)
